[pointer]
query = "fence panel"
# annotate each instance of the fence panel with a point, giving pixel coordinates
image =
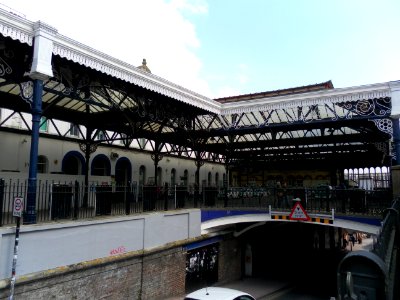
(74, 200)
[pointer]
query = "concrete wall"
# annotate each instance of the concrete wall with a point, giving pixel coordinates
(48, 246)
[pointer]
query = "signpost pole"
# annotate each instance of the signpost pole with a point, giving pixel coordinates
(14, 263)
(17, 212)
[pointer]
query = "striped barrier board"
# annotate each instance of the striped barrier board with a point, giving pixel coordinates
(312, 219)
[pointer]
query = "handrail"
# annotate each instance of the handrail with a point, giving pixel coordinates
(386, 237)
(387, 244)
(374, 272)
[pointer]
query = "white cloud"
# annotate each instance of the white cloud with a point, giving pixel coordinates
(130, 31)
(193, 6)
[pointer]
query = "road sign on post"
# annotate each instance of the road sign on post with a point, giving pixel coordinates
(18, 207)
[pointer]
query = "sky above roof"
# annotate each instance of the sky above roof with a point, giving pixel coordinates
(223, 48)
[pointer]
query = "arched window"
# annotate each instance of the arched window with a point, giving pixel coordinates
(217, 179)
(185, 177)
(123, 171)
(346, 174)
(73, 163)
(42, 164)
(209, 179)
(101, 166)
(159, 176)
(142, 175)
(173, 177)
(351, 174)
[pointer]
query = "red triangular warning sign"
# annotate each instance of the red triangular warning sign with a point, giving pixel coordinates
(299, 213)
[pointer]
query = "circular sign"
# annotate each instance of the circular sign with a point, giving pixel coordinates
(18, 204)
(18, 207)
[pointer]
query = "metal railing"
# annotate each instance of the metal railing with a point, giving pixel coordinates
(387, 245)
(73, 200)
(374, 274)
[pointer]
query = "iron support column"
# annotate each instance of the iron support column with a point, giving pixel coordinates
(199, 162)
(197, 184)
(88, 152)
(155, 172)
(30, 212)
(156, 157)
(226, 184)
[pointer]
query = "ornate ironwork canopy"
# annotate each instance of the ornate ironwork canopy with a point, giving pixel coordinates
(299, 127)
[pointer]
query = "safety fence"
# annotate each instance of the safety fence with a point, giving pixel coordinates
(74, 200)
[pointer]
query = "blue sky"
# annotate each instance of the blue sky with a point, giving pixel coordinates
(255, 46)
(229, 47)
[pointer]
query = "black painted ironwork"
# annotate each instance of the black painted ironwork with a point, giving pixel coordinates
(347, 134)
(300, 135)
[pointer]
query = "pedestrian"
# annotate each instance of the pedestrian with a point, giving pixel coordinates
(352, 239)
(344, 242)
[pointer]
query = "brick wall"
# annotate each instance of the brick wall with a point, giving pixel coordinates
(229, 261)
(155, 275)
(164, 274)
(116, 278)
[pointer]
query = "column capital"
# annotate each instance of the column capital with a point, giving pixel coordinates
(42, 51)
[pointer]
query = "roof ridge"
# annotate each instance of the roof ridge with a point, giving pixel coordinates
(294, 90)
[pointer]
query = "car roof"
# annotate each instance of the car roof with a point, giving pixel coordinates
(215, 293)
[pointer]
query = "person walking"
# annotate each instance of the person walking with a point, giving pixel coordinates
(352, 240)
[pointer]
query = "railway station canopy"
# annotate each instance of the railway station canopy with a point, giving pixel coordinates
(299, 127)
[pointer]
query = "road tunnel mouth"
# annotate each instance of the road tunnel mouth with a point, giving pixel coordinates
(306, 255)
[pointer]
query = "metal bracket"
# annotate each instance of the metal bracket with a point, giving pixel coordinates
(26, 91)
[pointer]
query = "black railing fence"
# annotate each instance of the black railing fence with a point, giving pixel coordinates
(74, 200)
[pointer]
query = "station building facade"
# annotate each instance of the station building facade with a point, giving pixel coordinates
(101, 122)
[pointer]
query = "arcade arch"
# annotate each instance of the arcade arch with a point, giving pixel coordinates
(73, 163)
(101, 165)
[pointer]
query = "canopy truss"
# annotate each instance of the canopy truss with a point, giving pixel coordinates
(264, 131)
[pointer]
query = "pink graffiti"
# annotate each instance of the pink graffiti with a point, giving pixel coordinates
(119, 250)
